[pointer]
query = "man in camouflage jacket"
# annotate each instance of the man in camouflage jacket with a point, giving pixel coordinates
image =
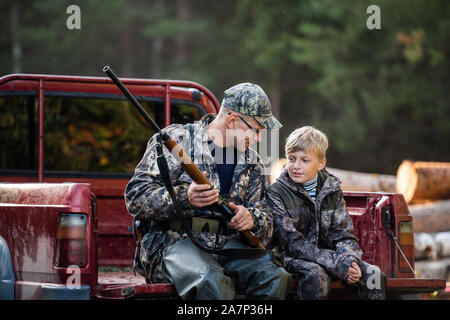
(166, 254)
(316, 237)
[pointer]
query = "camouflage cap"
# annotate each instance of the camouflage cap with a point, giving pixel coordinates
(250, 99)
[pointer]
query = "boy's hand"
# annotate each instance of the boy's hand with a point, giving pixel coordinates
(242, 219)
(354, 273)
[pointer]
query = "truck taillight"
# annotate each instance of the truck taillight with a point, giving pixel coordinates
(406, 242)
(71, 240)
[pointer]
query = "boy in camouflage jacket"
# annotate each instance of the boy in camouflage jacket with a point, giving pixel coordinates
(312, 227)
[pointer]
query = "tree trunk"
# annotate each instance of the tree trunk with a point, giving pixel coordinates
(420, 181)
(181, 54)
(156, 52)
(126, 52)
(275, 94)
(16, 48)
(431, 217)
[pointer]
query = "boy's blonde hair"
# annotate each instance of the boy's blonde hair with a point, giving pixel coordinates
(307, 139)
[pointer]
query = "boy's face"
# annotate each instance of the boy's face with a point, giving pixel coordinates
(304, 165)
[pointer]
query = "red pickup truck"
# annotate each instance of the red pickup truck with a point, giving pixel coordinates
(68, 147)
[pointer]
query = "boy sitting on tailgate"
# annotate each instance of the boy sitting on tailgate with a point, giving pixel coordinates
(312, 228)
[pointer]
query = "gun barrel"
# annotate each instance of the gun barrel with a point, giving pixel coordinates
(115, 79)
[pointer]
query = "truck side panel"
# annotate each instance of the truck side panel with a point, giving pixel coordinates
(6, 272)
(29, 217)
(116, 244)
(375, 216)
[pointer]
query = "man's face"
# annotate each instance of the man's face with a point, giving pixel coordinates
(304, 165)
(243, 131)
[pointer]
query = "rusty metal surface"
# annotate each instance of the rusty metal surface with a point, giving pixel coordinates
(28, 222)
(415, 285)
(45, 194)
(126, 285)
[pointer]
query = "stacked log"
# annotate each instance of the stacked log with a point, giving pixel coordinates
(432, 246)
(431, 217)
(426, 187)
(423, 181)
(359, 181)
(432, 255)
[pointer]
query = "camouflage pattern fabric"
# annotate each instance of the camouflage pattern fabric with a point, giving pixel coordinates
(147, 198)
(319, 233)
(250, 99)
(314, 283)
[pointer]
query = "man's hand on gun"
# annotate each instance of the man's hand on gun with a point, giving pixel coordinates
(242, 219)
(201, 195)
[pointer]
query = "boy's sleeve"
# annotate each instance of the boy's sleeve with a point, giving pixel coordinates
(255, 202)
(292, 241)
(342, 236)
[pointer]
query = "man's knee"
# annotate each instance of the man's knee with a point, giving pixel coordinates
(214, 286)
(271, 282)
(195, 274)
(261, 276)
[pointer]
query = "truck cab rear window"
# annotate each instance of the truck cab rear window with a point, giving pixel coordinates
(18, 133)
(102, 135)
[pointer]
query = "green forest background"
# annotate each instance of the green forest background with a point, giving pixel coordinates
(381, 96)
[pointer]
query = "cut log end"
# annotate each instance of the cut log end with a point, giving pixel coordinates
(421, 180)
(406, 182)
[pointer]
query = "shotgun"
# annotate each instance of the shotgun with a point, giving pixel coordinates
(183, 159)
